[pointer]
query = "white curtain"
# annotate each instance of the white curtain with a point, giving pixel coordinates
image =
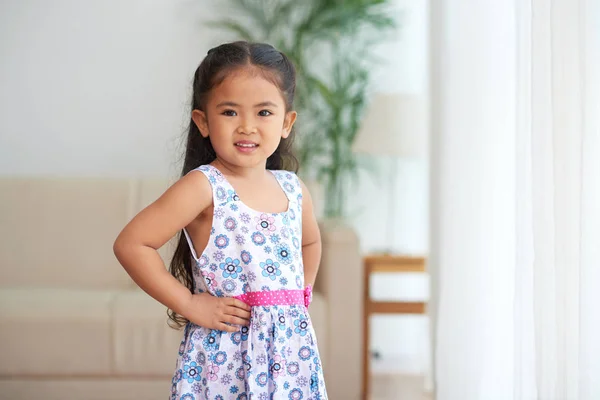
(515, 247)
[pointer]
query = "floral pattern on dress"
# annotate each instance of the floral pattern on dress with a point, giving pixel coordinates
(276, 357)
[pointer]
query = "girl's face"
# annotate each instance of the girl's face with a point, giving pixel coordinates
(245, 119)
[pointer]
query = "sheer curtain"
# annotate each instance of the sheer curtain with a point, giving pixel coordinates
(515, 247)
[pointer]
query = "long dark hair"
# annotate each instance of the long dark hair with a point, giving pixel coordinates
(218, 63)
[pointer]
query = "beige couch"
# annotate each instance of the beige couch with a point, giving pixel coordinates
(74, 326)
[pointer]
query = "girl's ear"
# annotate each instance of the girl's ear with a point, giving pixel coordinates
(288, 123)
(199, 118)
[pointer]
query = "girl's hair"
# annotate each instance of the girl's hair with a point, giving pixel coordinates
(218, 63)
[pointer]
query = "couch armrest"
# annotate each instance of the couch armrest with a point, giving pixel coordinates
(340, 280)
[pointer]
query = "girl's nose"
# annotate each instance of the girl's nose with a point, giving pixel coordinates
(246, 129)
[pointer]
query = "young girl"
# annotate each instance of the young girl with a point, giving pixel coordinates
(249, 250)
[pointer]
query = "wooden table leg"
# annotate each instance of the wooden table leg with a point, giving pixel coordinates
(366, 334)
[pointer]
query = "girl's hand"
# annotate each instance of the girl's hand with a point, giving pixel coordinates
(217, 313)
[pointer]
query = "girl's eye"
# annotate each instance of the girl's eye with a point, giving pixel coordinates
(264, 113)
(229, 113)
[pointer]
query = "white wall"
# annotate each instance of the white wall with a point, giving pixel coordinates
(102, 88)
(96, 87)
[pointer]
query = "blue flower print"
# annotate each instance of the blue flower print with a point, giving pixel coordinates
(218, 255)
(187, 396)
(221, 195)
(305, 353)
(314, 382)
(239, 239)
(261, 359)
(229, 285)
(281, 319)
(288, 187)
(262, 379)
(293, 368)
(245, 217)
(210, 341)
(240, 373)
(230, 224)
(289, 333)
(221, 241)
(270, 269)
(296, 394)
(317, 363)
(301, 325)
(197, 388)
(219, 397)
(258, 238)
(298, 281)
(214, 267)
(244, 333)
(203, 261)
(234, 207)
(247, 361)
(232, 196)
(177, 376)
(201, 358)
(246, 257)
(292, 214)
(267, 249)
(296, 242)
(242, 396)
(283, 281)
(226, 379)
(219, 213)
(191, 372)
(233, 389)
(301, 381)
(286, 385)
(283, 253)
(231, 268)
(275, 238)
(277, 366)
(236, 338)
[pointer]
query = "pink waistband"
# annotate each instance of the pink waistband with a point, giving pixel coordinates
(278, 297)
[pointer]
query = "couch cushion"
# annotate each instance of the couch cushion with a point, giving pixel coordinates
(151, 388)
(55, 332)
(59, 232)
(143, 342)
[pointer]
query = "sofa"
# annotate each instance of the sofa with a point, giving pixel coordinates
(73, 325)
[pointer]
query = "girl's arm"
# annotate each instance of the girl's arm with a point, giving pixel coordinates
(311, 239)
(136, 249)
(137, 244)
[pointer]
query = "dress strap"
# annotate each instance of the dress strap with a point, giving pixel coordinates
(222, 190)
(290, 184)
